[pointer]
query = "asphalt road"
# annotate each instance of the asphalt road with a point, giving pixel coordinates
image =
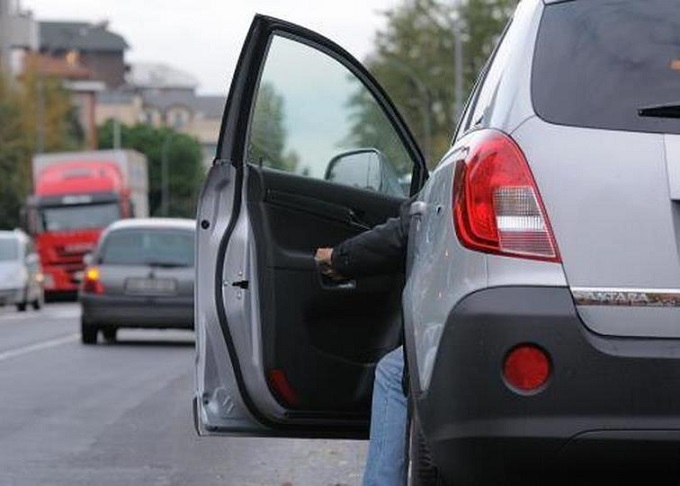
(120, 415)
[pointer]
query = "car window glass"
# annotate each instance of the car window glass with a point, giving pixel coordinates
(169, 248)
(597, 63)
(9, 249)
(310, 109)
(64, 218)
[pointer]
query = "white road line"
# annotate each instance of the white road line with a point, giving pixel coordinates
(13, 353)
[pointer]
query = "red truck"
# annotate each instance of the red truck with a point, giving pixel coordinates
(76, 195)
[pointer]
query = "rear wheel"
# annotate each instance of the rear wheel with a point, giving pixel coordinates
(88, 333)
(21, 306)
(110, 334)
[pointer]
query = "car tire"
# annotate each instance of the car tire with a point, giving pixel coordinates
(21, 306)
(110, 334)
(88, 333)
(421, 470)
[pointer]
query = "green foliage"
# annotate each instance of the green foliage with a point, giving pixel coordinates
(48, 115)
(268, 134)
(15, 156)
(371, 128)
(30, 105)
(183, 156)
(414, 60)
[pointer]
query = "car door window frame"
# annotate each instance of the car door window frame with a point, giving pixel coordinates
(247, 91)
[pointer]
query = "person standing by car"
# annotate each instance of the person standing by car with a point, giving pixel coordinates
(380, 250)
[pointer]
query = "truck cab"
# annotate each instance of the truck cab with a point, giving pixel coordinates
(77, 196)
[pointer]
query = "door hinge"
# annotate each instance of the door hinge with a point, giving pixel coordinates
(241, 284)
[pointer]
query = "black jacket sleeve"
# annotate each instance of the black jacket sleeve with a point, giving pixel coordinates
(380, 250)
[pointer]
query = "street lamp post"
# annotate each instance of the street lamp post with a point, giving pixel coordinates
(165, 190)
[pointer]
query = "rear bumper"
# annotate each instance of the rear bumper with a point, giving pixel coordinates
(143, 312)
(611, 407)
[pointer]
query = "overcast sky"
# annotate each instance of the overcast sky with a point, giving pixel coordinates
(204, 37)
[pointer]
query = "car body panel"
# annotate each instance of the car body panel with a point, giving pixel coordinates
(608, 254)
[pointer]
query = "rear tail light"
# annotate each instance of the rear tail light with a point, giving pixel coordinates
(496, 204)
(92, 283)
(527, 368)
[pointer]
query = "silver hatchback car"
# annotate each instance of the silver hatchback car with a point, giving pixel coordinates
(541, 309)
(141, 275)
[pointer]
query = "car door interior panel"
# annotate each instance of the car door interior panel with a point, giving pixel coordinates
(321, 338)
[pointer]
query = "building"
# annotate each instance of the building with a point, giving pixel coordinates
(161, 95)
(18, 35)
(91, 46)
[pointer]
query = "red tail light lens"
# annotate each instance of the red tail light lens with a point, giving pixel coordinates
(527, 368)
(280, 384)
(497, 206)
(91, 283)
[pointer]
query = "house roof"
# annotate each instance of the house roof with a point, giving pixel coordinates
(160, 76)
(79, 36)
(210, 106)
(165, 100)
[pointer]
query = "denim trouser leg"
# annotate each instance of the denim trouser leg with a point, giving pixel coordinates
(385, 465)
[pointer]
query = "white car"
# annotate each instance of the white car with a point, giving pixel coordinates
(20, 272)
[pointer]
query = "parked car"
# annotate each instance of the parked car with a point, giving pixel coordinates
(20, 273)
(542, 303)
(141, 275)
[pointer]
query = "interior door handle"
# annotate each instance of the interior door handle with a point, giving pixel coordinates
(332, 284)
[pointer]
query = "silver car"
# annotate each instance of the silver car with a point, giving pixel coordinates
(141, 275)
(21, 278)
(542, 301)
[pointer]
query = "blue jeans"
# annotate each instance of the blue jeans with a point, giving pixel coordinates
(385, 464)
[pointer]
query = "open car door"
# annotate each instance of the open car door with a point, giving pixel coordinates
(311, 152)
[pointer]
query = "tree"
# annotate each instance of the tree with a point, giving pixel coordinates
(48, 115)
(268, 134)
(184, 163)
(21, 119)
(15, 156)
(414, 61)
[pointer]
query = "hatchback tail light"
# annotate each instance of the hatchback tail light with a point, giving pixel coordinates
(496, 204)
(91, 283)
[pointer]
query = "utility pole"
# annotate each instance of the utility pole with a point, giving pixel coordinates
(165, 189)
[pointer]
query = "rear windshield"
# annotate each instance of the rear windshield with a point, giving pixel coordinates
(9, 249)
(597, 63)
(157, 247)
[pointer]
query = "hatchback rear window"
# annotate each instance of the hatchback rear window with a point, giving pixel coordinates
(597, 63)
(165, 248)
